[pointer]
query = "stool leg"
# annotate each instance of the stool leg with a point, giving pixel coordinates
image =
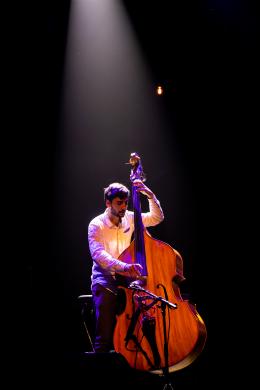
(89, 338)
(86, 328)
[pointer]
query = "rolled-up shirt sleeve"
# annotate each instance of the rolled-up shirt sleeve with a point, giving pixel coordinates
(98, 252)
(155, 214)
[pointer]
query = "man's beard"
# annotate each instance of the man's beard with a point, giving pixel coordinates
(118, 214)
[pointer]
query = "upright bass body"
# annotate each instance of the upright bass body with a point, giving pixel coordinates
(184, 332)
(157, 330)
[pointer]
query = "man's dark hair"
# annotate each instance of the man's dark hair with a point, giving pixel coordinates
(115, 190)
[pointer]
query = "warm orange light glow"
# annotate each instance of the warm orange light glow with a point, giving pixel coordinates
(159, 90)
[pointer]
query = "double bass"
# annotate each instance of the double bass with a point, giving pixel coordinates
(156, 329)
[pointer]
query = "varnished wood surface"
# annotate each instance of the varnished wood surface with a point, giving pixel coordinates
(185, 329)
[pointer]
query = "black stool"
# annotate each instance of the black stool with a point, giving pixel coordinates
(86, 305)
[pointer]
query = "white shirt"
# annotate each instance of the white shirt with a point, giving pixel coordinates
(107, 241)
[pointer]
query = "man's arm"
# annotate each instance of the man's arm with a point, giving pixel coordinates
(155, 214)
(104, 259)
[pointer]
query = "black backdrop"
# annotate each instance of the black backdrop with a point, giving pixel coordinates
(211, 107)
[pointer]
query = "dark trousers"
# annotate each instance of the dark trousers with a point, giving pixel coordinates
(105, 308)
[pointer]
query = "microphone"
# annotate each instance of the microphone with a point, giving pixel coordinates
(143, 298)
(135, 285)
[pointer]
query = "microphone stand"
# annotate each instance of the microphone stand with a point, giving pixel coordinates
(164, 303)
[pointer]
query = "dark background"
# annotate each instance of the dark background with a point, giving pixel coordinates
(211, 105)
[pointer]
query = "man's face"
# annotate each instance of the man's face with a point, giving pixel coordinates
(118, 206)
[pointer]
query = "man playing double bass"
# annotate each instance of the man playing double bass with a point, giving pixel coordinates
(109, 234)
